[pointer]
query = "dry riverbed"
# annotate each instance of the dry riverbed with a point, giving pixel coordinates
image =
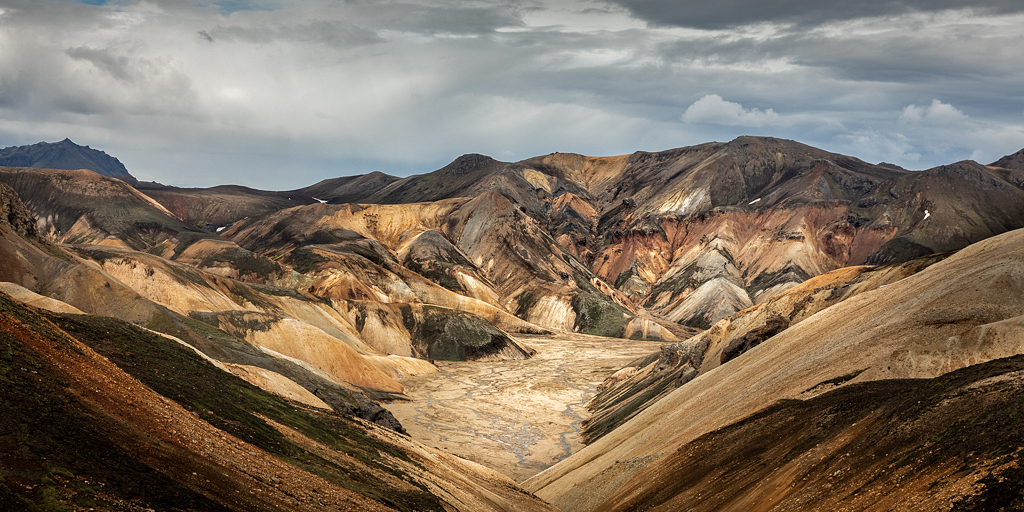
(516, 417)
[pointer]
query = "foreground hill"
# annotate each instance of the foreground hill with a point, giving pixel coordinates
(963, 310)
(98, 413)
(63, 155)
(948, 443)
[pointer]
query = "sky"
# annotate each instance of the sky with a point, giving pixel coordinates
(280, 94)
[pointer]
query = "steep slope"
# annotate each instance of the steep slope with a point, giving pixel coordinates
(78, 430)
(961, 311)
(63, 155)
(635, 387)
(911, 444)
(67, 281)
(82, 206)
(481, 256)
(1014, 161)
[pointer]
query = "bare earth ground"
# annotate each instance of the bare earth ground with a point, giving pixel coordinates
(516, 417)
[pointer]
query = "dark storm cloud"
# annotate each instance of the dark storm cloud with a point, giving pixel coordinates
(118, 66)
(732, 13)
(441, 19)
(338, 34)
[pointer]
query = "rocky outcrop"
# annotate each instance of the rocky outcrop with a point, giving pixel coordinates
(442, 334)
(14, 214)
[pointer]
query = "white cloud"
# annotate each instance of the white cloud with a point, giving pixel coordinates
(936, 113)
(712, 109)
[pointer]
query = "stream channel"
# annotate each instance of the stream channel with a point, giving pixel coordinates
(516, 417)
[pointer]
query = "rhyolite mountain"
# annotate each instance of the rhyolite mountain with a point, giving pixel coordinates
(694, 234)
(780, 273)
(640, 245)
(63, 155)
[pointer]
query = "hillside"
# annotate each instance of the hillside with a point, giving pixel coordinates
(695, 234)
(907, 444)
(63, 155)
(963, 310)
(153, 425)
(79, 206)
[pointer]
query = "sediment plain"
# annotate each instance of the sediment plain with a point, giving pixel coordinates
(516, 417)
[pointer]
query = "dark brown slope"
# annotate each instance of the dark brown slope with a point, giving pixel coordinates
(221, 205)
(1014, 161)
(948, 443)
(349, 189)
(225, 204)
(76, 430)
(457, 179)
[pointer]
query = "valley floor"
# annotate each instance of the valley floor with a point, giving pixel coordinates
(516, 417)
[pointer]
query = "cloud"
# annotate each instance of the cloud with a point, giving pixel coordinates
(733, 13)
(938, 113)
(713, 109)
(283, 93)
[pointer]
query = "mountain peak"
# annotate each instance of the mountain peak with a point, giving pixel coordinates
(1014, 161)
(63, 155)
(467, 163)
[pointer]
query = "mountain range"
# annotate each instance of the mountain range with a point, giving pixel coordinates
(808, 302)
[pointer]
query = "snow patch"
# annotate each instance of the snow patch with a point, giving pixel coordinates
(221, 229)
(322, 201)
(754, 201)
(926, 215)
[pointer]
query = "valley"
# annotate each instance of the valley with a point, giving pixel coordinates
(516, 417)
(756, 324)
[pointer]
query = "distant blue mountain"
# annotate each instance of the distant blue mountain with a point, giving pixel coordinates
(63, 155)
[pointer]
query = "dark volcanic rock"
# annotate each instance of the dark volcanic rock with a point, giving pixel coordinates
(448, 335)
(773, 326)
(14, 214)
(63, 155)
